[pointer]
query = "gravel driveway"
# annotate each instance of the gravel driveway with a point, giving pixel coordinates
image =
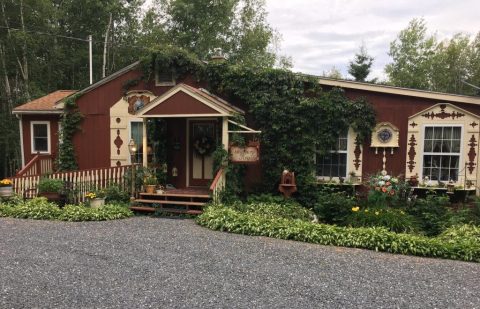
(166, 263)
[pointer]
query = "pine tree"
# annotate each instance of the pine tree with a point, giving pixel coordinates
(361, 65)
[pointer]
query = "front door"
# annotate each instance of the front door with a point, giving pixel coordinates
(202, 139)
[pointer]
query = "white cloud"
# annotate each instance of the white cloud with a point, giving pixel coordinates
(320, 34)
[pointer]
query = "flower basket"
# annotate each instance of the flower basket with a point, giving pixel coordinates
(150, 189)
(97, 202)
(6, 188)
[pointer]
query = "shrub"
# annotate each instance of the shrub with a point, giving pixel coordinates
(395, 220)
(82, 213)
(431, 213)
(386, 190)
(115, 194)
(459, 233)
(41, 209)
(38, 208)
(50, 185)
(379, 239)
(287, 209)
(333, 208)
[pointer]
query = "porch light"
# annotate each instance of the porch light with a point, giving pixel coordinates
(450, 187)
(132, 147)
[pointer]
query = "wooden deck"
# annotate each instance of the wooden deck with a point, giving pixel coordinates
(186, 201)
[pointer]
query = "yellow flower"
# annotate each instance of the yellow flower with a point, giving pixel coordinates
(355, 209)
(366, 210)
(377, 213)
(402, 212)
(5, 182)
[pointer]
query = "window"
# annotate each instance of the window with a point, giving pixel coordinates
(334, 163)
(441, 152)
(164, 78)
(136, 133)
(40, 133)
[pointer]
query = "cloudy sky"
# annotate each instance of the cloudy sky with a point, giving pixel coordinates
(320, 34)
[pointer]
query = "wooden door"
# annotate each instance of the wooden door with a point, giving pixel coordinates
(202, 141)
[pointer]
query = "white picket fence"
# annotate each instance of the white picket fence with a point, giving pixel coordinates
(79, 182)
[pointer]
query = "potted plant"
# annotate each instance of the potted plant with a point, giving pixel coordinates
(353, 177)
(50, 188)
(96, 198)
(150, 183)
(6, 188)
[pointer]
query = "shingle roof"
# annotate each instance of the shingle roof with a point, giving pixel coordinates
(45, 103)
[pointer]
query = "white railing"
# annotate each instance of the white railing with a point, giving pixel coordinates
(218, 185)
(79, 182)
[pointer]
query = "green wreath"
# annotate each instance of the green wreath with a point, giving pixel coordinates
(203, 145)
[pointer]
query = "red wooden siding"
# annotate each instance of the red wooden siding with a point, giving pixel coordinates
(181, 103)
(27, 137)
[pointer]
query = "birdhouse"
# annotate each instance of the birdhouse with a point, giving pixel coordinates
(287, 184)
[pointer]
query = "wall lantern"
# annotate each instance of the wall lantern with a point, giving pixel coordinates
(132, 147)
(450, 187)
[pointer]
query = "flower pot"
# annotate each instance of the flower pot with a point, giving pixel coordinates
(150, 189)
(6, 191)
(97, 202)
(51, 196)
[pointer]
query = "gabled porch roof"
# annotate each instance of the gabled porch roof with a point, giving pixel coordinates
(186, 101)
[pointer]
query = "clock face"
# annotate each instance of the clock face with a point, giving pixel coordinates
(384, 135)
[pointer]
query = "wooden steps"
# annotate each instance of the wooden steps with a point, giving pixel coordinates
(188, 201)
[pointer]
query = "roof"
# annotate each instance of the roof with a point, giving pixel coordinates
(45, 104)
(439, 96)
(219, 105)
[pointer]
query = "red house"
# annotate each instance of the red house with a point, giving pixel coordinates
(419, 133)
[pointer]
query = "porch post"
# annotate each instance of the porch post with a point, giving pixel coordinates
(225, 133)
(145, 146)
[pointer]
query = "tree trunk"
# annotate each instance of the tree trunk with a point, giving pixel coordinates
(105, 47)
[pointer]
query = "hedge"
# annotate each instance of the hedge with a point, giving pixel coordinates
(379, 239)
(41, 209)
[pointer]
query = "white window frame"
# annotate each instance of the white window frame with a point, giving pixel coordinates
(347, 152)
(158, 83)
(49, 138)
(460, 154)
(130, 135)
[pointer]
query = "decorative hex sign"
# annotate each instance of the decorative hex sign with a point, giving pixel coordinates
(245, 154)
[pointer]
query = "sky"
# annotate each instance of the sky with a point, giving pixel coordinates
(321, 34)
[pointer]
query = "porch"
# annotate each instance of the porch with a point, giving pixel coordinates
(181, 131)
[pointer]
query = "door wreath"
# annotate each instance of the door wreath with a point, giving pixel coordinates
(203, 145)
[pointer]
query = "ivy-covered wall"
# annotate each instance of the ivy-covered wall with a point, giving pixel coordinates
(295, 115)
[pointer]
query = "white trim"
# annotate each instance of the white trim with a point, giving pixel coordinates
(37, 112)
(49, 137)
(460, 154)
(454, 107)
(183, 116)
(22, 148)
(400, 91)
(222, 110)
(129, 132)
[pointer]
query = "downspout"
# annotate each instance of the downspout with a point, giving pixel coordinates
(22, 151)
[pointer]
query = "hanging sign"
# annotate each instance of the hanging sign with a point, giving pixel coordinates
(245, 154)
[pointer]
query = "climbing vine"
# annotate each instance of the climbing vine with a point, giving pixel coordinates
(296, 116)
(70, 123)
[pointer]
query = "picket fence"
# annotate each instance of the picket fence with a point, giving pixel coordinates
(79, 182)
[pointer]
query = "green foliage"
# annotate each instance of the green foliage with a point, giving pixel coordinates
(70, 123)
(379, 239)
(234, 174)
(50, 185)
(295, 116)
(41, 209)
(273, 206)
(460, 233)
(395, 220)
(360, 67)
(333, 207)
(116, 194)
(106, 212)
(431, 213)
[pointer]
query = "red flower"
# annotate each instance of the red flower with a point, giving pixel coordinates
(384, 189)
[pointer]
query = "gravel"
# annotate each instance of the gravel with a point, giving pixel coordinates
(147, 262)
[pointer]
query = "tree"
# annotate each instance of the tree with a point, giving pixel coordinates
(412, 54)
(333, 73)
(237, 27)
(361, 65)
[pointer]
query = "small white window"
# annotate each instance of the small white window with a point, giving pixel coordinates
(334, 163)
(441, 152)
(40, 134)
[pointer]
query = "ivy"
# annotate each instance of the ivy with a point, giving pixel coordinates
(296, 116)
(70, 123)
